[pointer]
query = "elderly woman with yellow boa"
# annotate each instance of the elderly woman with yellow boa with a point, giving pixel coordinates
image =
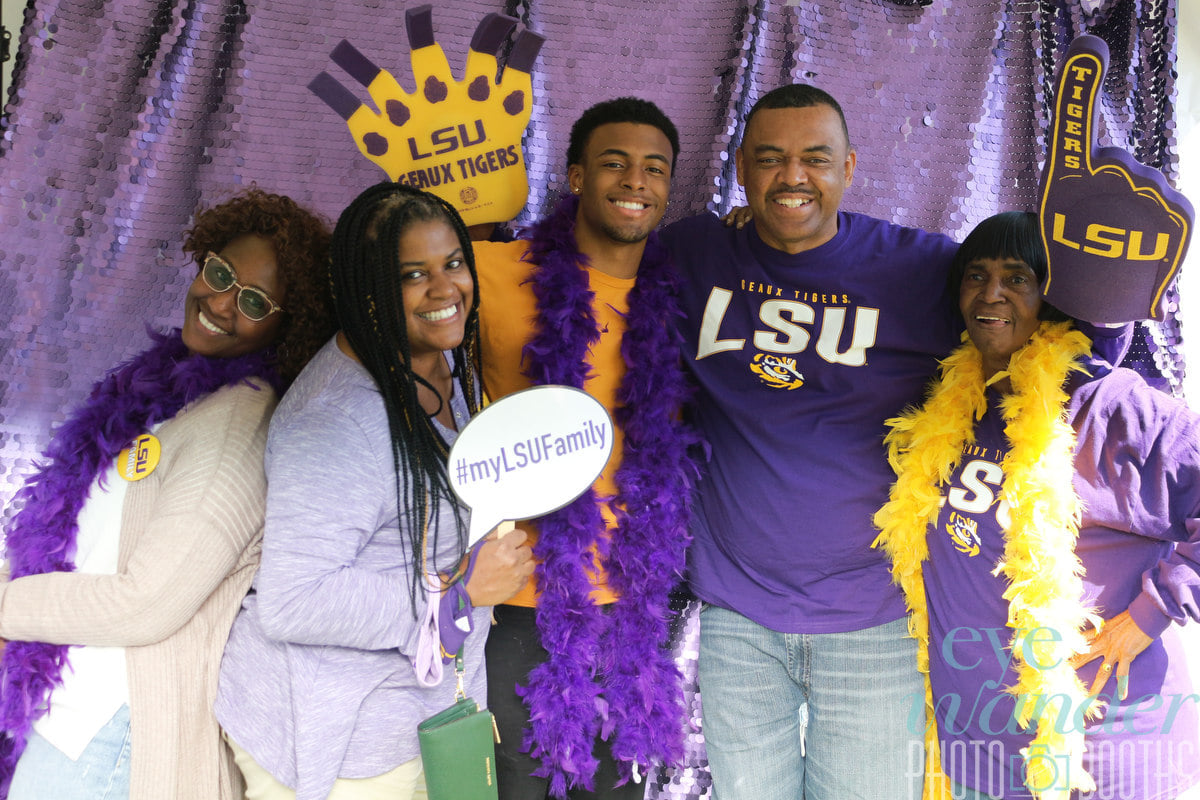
(1044, 527)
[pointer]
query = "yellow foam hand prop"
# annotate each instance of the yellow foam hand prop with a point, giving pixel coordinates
(458, 139)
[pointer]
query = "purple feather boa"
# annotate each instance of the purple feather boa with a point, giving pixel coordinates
(147, 389)
(610, 674)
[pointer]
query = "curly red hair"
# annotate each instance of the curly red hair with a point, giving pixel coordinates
(300, 239)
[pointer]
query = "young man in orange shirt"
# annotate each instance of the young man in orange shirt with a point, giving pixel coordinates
(580, 678)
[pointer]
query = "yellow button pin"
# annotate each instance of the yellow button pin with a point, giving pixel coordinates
(140, 458)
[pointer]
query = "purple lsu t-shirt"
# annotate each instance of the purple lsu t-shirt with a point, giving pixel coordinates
(1138, 479)
(798, 360)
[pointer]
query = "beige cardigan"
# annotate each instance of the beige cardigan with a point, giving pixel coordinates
(190, 540)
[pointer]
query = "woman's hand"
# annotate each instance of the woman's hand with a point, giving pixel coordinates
(1119, 641)
(739, 216)
(502, 567)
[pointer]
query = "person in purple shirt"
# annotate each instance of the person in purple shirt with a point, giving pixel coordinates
(1045, 527)
(364, 593)
(804, 331)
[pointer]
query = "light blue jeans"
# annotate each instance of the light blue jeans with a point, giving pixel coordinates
(101, 773)
(832, 716)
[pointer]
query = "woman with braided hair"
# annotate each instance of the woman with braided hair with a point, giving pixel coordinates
(365, 590)
(138, 536)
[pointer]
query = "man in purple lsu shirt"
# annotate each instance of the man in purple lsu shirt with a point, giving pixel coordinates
(804, 331)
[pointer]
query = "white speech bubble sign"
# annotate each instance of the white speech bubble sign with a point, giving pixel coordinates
(528, 454)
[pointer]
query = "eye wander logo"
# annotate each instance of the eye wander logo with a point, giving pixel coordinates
(1139, 768)
(964, 532)
(777, 371)
(1039, 770)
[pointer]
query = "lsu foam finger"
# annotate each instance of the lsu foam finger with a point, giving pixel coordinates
(1073, 125)
(460, 139)
(1115, 231)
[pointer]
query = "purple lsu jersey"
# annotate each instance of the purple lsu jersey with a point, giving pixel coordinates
(799, 359)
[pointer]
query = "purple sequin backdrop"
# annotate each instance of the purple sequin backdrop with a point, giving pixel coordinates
(125, 114)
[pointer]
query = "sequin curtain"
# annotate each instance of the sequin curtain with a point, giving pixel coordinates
(125, 114)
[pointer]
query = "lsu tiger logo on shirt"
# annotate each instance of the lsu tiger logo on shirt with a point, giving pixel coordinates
(964, 533)
(777, 371)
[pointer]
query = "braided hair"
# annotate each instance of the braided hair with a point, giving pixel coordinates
(368, 299)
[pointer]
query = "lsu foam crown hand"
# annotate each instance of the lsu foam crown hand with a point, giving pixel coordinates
(1115, 232)
(458, 139)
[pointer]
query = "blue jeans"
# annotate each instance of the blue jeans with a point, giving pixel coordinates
(832, 716)
(101, 773)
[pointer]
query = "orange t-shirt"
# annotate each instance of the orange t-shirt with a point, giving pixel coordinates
(507, 309)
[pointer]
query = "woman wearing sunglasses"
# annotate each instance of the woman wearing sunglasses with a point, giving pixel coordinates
(139, 536)
(365, 593)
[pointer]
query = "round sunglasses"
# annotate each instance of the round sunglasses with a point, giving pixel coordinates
(254, 304)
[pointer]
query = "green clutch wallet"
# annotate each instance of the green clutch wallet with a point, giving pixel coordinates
(458, 751)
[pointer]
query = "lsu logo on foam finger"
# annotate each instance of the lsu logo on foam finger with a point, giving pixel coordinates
(461, 139)
(1115, 231)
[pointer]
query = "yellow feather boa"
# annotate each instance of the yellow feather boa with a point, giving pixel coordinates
(1043, 572)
